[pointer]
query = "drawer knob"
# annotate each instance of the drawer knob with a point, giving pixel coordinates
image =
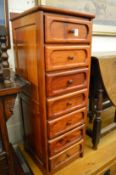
(69, 82)
(71, 58)
(69, 104)
(67, 141)
(75, 32)
(61, 141)
(72, 31)
(68, 123)
(67, 155)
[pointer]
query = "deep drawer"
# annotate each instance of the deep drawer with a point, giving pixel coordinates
(64, 57)
(69, 154)
(61, 29)
(66, 103)
(66, 122)
(64, 141)
(63, 82)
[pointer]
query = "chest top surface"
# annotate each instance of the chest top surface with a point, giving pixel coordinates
(54, 10)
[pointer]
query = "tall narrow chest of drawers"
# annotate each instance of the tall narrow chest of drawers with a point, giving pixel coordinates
(52, 51)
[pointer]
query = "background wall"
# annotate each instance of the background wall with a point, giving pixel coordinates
(99, 44)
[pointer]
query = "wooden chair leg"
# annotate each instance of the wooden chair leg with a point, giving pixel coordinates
(97, 121)
(91, 109)
(91, 104)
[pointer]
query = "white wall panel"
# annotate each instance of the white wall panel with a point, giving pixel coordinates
(103, 44)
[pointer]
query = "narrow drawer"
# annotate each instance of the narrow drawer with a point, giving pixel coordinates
(66, 103)
(66, 140)
(60, 29)
(64, 57)
(64, 157)
(63, 82)
(66, 122)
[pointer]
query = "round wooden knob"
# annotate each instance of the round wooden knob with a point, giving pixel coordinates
(67, 141)
(72, 31)
(69, 104)
(68, 155)
(71, 58)
(69, 82)
(68, 123)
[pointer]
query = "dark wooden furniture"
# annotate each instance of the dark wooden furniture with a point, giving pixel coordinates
(52, 49)
(93, 162)
(7, 100)
(7, 96)
(9, 87)
(100, 96)
(20, 165)
(4, 64)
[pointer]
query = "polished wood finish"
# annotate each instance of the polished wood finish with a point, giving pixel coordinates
(64, 157)
(58, 144)
(93, 162)
(56, 11)
(65, 57)
(66, 103)
(56, 60)
(8, 92)
(63, 82)
(7, 100)
(69, 121)
(59, 29)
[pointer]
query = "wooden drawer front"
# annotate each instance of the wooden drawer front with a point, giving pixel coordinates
(64, 57)
(66, 140)
(66, 122)
(66, 103)
(65, 156)
(67, 30)
(63, 82)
